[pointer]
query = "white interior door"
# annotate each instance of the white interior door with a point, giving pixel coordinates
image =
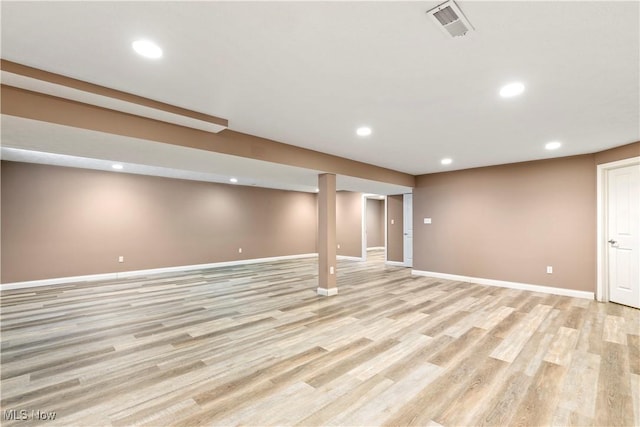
(623, 235)
(407, 218)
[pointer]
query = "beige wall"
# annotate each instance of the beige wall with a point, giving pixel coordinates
(505, 222)
(326, 234)
(509, 222)
(618, 153)
(375, 223)
(349, 223)
(395, 243)
(59, 222)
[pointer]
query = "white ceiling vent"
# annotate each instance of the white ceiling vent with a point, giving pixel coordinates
(450, 19)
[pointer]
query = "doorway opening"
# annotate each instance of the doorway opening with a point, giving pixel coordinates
(374, 229)
(399, 230)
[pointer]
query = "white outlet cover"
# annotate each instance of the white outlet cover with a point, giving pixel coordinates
(427, 220)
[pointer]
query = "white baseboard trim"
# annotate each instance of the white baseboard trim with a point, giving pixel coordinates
(375, 248)
(395, 263)
(58, 281)
(349, 258)
(505, 284)
(133, 273)
(327, 292)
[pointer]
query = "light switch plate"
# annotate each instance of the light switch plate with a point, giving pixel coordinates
(427, 220)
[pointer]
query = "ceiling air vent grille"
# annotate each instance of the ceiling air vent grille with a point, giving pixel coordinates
(450, 19)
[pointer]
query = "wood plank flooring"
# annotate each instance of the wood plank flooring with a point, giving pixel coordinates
(254, 345)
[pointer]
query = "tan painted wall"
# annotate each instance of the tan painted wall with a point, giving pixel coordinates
(395, 245)
(59, 222)
(349, 223)
(618, 153)
(499, 223)
(375, 223)
(326, 233)
(509, 222)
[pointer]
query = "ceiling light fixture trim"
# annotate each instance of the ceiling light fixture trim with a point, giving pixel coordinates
(363, 131)
(512, 89)
(553, 145)
(147, 48)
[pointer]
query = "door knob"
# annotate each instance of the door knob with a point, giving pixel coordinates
(613, 242)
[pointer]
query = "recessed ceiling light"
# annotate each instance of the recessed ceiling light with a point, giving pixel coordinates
(317, 190)
(117, 166)
(511, 90)
(234, 180)
(446, 161)
(147, 48)
(363, 131)
(554, 145)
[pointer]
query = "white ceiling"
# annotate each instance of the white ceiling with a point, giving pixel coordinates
(309, 73)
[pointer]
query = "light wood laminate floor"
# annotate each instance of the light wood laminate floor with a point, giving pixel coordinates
(254, 345)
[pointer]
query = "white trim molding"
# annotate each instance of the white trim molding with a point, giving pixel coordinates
(152, 271)
(363, 227)
(395, 263)
(327, 292)
(385, 229)
(505, 284)
(602, 272)
(375, 248)
(350, 258)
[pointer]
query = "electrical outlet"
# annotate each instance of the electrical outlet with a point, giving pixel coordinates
(549, 269)
(338, 245)
(393, 221)
(121, 258)
(239, 250)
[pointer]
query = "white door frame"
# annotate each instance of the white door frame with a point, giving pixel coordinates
(602, 279)
(404, 228)
(366, 196)
(363, 256)
(385, 230)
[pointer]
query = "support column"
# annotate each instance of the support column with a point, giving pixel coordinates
(327, 235)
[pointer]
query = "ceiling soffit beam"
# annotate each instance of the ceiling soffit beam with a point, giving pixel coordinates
(27, 72)
(37, 106)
